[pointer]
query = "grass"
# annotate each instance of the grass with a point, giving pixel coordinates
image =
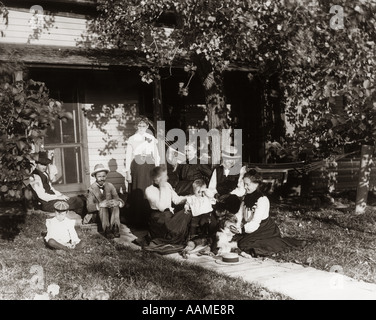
(338, 241)
(107, 270)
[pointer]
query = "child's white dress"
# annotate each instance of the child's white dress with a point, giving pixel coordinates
(62, 231)
(199, 205)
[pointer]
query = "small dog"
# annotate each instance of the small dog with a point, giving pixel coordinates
(224, 237)
(224, 243)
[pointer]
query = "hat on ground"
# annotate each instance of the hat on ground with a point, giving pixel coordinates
(229, 259)
(98, 168)
(61, 206)
(230, 152)
(43, 158)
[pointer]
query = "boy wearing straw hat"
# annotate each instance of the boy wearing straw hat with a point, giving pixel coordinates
(103, 198)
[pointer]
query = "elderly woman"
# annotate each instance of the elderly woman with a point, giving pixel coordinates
(256, 232)
(165, 225)
(191, 171)
(141, 157)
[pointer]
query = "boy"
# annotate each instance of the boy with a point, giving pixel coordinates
(200, 206)
(103, 198)
(61, 233)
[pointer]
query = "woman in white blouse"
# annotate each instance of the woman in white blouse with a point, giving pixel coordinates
(256, 232)
(165, 225)
(141, 157)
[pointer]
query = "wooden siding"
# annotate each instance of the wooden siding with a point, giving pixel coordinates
(64, 32)
(345, 176)
(118, 129)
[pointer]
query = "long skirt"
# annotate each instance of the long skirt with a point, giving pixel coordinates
(169, 228)
(141, 179)
(266, 240)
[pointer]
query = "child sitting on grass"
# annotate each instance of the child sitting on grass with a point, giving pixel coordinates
(61, 233)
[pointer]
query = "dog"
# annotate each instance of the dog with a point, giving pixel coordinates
(224, 243)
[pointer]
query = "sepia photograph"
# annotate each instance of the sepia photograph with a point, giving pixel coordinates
(187, 156)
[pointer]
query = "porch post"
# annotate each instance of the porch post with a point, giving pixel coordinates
(364, 178)
(158, 116)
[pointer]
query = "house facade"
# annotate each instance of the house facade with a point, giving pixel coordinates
(104, 92)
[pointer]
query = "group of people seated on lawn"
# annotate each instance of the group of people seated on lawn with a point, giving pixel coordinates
(198, 204)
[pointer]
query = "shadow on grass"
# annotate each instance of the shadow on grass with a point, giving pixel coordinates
(144, 274)
(12, 216)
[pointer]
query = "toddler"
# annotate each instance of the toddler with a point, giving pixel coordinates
(200, 206)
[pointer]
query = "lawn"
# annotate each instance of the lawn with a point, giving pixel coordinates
(338, 240)
(105, 270)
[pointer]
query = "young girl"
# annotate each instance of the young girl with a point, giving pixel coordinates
(257, 233)
(61, 233)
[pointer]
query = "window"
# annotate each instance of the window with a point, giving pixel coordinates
(66, 146)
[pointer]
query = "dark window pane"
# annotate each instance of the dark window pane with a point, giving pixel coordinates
(68, 124)
(53, 135)
(71, 158)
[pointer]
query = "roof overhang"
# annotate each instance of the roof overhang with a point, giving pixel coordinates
(82, 58)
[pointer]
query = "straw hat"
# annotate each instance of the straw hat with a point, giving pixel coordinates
(230, 152)
(61, 206)
(98, 168)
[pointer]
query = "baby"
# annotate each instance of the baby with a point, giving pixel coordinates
(61, 233)
(200, 206)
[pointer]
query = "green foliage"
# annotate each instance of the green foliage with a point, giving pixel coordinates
(292, 40)
(4, 15)
(323, 64)
(26, 113)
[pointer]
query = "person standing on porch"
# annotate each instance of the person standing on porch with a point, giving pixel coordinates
(141, 157)
(103, 198)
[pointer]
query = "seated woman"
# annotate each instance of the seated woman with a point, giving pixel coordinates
(191, 170)
(256, 232)
(164, 225)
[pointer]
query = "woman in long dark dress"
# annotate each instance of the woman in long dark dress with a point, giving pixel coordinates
(257, 233)
(190, 171)
(166, 226)
(141, 157)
